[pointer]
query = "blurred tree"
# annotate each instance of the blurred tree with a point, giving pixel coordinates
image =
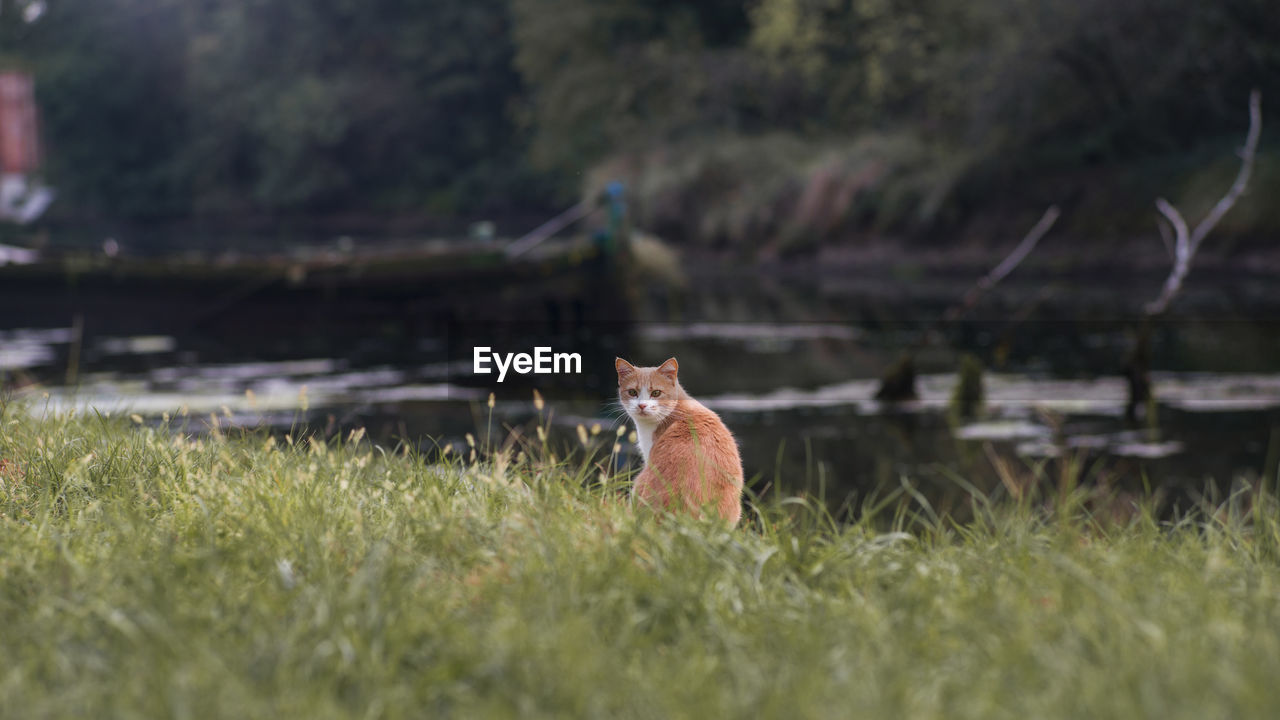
(865, 58)
(613, 76)
(167, 108)
(306, 106)
(110, 81)
(164, 107)
(1091, 77)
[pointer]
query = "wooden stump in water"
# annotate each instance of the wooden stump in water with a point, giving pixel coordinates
(898, 384)
(1137, 371)
(967, 396)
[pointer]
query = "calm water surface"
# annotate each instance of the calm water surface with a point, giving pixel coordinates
(791, 364)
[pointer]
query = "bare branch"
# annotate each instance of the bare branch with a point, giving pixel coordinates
(1181, 243)
(1007, 265)
(544, 231)
(1024, 248)
(1242, 178)
(1166, 237)
(899, 383)
(1186, 243)
(1181, 258)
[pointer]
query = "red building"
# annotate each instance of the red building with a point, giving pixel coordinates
(19, 142)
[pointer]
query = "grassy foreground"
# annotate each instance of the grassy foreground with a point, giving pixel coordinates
(145, 573)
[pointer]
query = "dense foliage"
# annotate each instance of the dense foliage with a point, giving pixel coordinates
(168, 107)
(177, 108)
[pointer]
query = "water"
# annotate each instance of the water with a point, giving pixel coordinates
(790, 363)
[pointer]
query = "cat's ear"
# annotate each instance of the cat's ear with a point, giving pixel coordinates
(669, 368)
(624, 368)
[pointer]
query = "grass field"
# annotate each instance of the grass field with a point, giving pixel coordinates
(149, 573)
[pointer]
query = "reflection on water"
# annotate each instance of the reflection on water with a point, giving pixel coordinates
(1014, 394)
(768, 334)
(25, 348)
(140, 345)
(253, 393)
(792, 369)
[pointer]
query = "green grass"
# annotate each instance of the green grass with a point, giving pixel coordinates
(145, 573)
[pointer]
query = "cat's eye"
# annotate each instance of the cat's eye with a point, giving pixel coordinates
(632, 392)
(655, 393)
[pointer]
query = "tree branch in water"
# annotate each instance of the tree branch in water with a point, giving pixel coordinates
(1186, 243)
(899, 382)
(1007, 265)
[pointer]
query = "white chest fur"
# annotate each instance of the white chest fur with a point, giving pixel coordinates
(644, 438)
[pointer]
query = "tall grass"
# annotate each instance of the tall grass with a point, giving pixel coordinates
(780, 194)
(146, 572)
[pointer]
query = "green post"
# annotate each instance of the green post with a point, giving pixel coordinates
(617, 235)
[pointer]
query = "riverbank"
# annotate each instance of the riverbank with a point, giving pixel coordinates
(892, 197)
(151, 573)
(1059, 253)
(867, 200)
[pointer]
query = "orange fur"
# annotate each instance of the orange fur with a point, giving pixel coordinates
(691, 461)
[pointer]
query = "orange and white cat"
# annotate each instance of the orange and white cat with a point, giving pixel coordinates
(691, 460)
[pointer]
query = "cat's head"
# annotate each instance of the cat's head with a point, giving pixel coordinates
(648, 394)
